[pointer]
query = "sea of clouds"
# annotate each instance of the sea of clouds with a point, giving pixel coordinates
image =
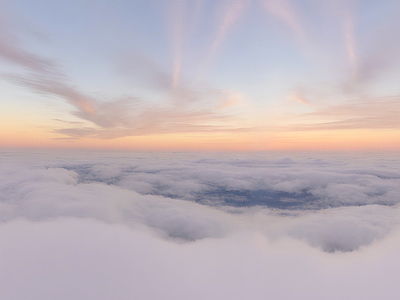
(97, 225)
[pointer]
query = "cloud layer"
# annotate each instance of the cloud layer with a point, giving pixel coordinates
(86, 259)
(178, 226)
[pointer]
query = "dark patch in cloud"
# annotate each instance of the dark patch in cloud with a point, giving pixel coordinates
(336, 206)
(281, 183)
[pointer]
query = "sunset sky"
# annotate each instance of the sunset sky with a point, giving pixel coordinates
(200, 74)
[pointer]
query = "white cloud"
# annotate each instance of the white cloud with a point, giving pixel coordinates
(123, 225)
(86, 259)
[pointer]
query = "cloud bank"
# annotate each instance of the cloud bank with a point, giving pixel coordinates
(179, 226)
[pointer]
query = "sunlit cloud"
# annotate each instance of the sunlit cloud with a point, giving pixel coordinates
(299, 96)
(133, 116)
(177, 12)
(232, 99)
(11, 50)
(348, 27)
(230, 17)
(374, 113)
(183, 109)
(165, 91)
(57, 87)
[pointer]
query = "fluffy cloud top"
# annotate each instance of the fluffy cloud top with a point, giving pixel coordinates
(196, 226)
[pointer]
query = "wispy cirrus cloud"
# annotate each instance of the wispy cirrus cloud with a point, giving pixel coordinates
(177, 14)
(379, 56)
(286, 12)
(232, 13)
(12, 50)
(299, 95)
(184, 109)
(140, 68)
(134, 116)
(373, 113)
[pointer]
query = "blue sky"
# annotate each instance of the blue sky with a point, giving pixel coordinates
(237, 65)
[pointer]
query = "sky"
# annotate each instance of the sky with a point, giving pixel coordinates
(201, 75)
(140, 225)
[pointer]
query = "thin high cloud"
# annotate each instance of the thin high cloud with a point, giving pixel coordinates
(379, 56)
(287, 14)
(141, 69)
(308, 34)
(186, 107)
(54, 86)
(133, 116)
(373, 113)
(367, 60)
(370, 55)
(232, 13)
(44, 77)
(184, 20)
(178, 11)
(12, 50)
(299, 95)
(348, 25)
(183, 110)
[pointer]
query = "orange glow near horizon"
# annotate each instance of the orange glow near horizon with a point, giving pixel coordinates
(229, 75)
(333, 140)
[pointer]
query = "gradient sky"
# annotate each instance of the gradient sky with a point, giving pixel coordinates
(200, 74)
